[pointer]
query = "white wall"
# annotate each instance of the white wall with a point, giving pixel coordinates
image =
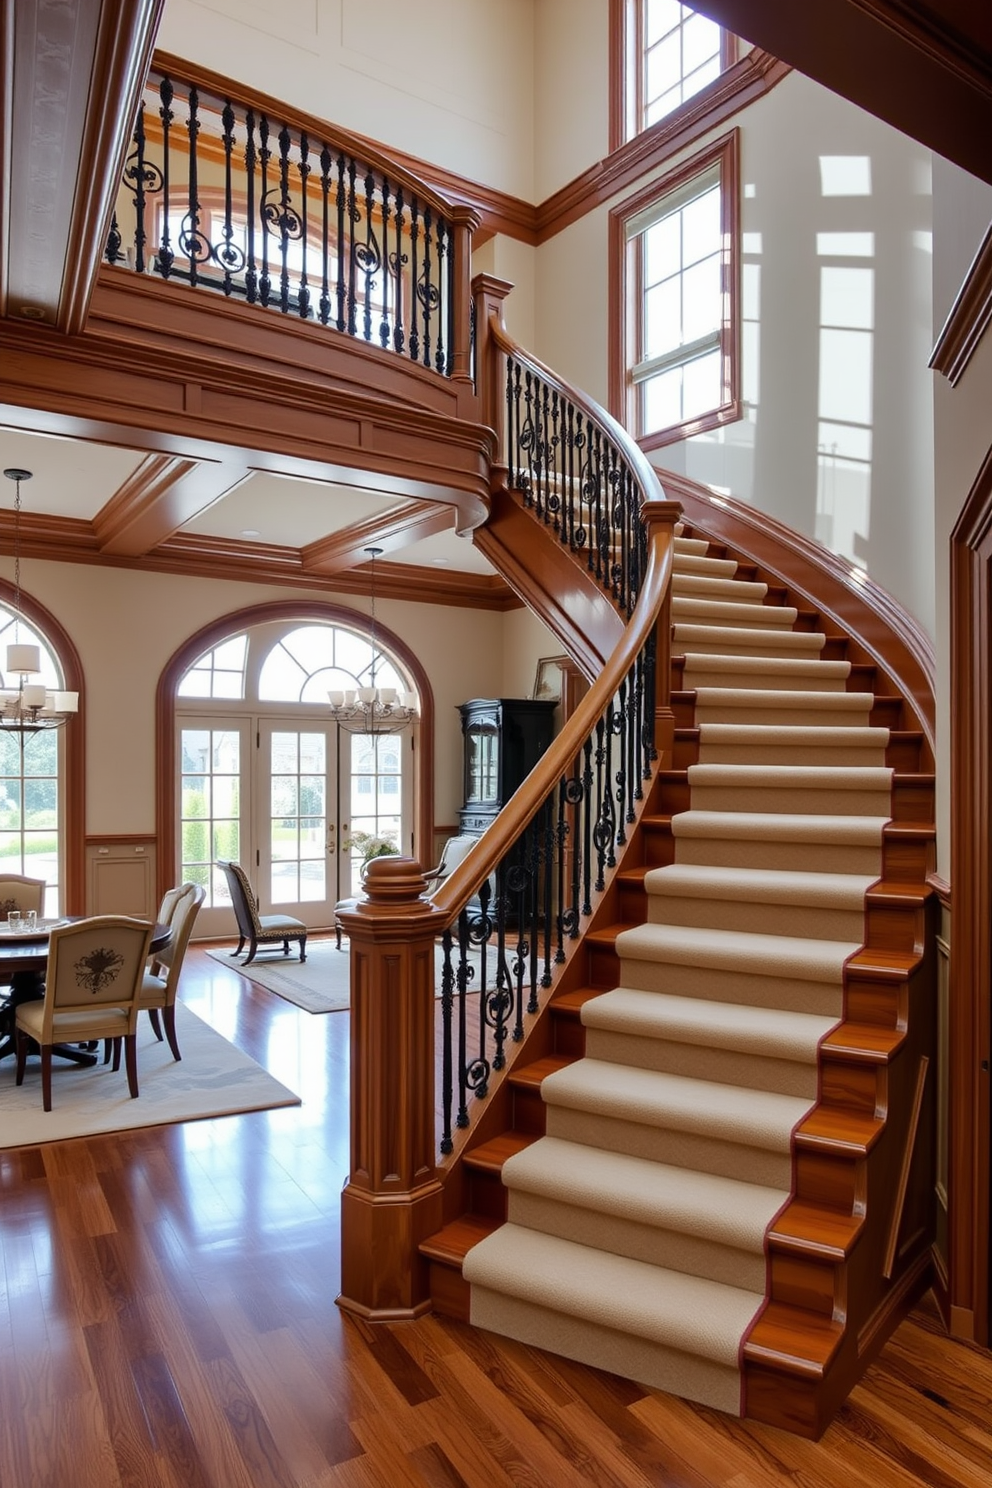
(451, 81)
(571, 82)
(770, 458)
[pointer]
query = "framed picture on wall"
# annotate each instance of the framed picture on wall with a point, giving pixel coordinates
(547, 682)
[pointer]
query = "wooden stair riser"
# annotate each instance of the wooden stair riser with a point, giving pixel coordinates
(705, 1062)
(894, 926)
(913, 798)
(851, 1085)
(831, 1180)
(810, 1283)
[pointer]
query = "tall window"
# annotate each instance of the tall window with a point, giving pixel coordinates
(675, 255)
(664, 55)
(31, 810)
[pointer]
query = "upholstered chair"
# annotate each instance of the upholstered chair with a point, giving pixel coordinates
(254, 928)
(159, 987)
(92, 982)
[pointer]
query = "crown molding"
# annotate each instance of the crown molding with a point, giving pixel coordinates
(969, 317)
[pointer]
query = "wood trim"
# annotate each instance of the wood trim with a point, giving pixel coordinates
(618, 63)
(119, 839)
(748, 80)
(907, 1158)
(969, 1050)
(118, 69)
(74, 779)
(131, 501)
(262, 614)
(859, 607)
(624, 335)
(942, 889)
(968, 319)
(390, 531)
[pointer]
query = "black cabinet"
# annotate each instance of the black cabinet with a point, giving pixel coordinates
(504, 739)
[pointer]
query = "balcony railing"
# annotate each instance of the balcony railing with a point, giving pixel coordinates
(235, 196)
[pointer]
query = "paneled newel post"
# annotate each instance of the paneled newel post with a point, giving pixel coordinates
(464, 222)
(392, 1199)
(490, 375)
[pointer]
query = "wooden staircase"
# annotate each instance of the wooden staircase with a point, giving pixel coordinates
(850, 1252)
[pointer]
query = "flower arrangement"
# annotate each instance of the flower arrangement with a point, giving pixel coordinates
(368, 846)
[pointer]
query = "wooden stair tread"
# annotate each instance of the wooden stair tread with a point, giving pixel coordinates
(894, 891)
(910, 829)
(792, 1340)
(812, 1229)
(451, 1244)
(570, 1004)
(529, 1076)
(870, 1043)
(841, 1130)
(869, 963)
(490, 1156)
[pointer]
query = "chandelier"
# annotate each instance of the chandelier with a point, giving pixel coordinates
(372, 709)
(32, 705)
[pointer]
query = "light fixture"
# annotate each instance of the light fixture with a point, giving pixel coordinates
(32, 706)
(372, 709)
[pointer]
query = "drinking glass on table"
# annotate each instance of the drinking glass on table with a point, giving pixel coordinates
(30, 920)
(14, 920)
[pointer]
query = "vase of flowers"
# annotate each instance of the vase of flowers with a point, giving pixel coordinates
(367, 846)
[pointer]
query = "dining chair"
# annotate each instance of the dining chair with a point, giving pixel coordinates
(255, 928)
(158, 993)
(92, 982)
(20, 893)
(171, 900)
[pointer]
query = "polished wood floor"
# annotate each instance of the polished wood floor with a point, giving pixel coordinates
(167, 1320)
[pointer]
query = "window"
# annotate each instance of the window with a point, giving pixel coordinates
(665, 54)
(674, 291)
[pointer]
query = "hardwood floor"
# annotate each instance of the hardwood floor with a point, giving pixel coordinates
(167, 1320)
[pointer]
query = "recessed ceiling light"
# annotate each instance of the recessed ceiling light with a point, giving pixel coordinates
(250, 532)
(440, 562)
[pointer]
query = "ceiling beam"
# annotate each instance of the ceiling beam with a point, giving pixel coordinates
(161, 496)
(390, 531)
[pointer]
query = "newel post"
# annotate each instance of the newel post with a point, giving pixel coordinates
(659, 517)
(464, 223)
(489, 294)
(392, 1199)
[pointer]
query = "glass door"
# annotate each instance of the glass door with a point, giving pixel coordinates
(213, 812)
(298, 827)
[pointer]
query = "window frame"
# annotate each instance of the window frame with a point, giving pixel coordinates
(722, 157)
(627, 76)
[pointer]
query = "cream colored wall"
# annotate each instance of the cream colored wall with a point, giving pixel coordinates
(525, 641)
(770, 457)
(451, 81)
(127, 625)
(516, 263)
(571, 82)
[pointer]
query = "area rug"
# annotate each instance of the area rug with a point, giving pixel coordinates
(213, 1078)
(321, 984)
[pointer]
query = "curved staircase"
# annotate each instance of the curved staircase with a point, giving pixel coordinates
(716, 1178)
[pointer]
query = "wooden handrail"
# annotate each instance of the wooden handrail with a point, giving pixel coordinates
(481, 860)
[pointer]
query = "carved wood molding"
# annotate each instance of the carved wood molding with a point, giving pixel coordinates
(232, 624)
(969, 1050)
(131, 502)
(969, 317)
(72, 540)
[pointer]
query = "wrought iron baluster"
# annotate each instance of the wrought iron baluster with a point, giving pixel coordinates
(112, 252)
(230, 256)
(251, 270)
(192, 241)
(463, 975)
(384, 317)
(587, 824)
(146, 180)
(440, 298)
(283, 220)
(414, 342)
(447, 1077)
(326, 165)
(561, 846)
(303, 292)
(341, 202)
(165, 256)
(352, 254)
(264, 155)
(547, 861)
(426, 289)
(368, 256)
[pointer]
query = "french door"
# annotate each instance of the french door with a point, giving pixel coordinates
(297, 801)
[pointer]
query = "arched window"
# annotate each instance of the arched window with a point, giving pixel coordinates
(265, 775)
(32, 768)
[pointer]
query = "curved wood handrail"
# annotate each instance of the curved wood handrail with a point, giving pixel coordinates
(858, 605)
(355, 145)
(659, 518)
(637, 460)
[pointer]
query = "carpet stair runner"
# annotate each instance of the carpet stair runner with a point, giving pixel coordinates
(667, 1214)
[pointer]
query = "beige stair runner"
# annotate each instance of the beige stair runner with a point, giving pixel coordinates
(635, 1233)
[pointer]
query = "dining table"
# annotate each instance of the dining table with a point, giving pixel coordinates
(23, 959)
